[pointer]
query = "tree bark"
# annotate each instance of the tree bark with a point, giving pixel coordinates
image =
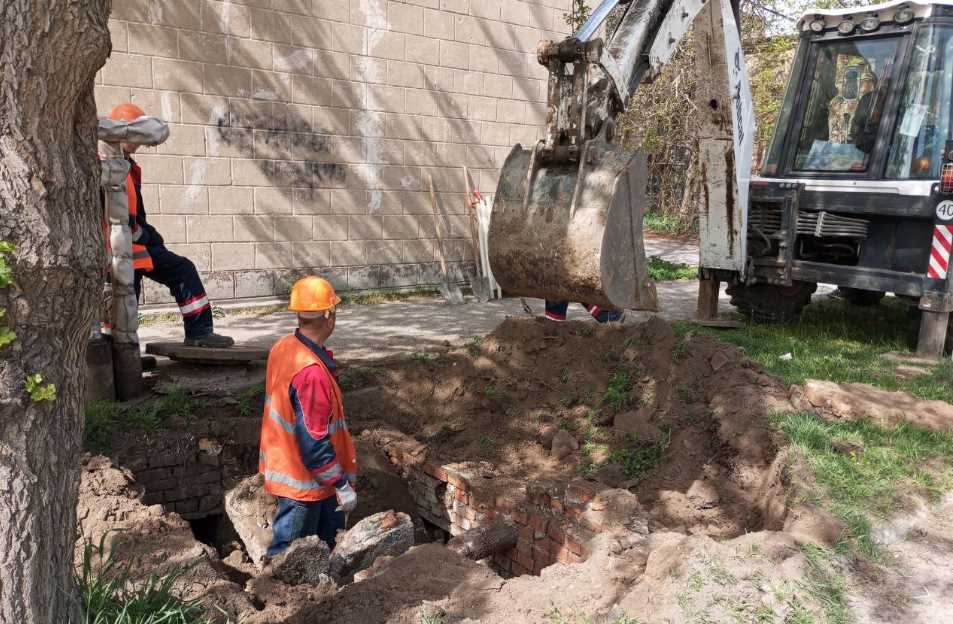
(50, 51)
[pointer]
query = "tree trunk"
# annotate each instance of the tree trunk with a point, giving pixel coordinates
(50, 51)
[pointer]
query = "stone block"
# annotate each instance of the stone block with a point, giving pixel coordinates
(251, 511)
(108, 97)
(203, 47)
(383, 534)
(308, 90)
(363, 277)
(347, 94)
(250, 53)
(349, 39)
(347, 253)
(272, 145)
(269, 85)
(437, 24)
(184, 141)
(192, 200)
(132, 10)
(177, 75)
(164, 104)
(225, 80)
(311, 202)
(247, 172)
(226, 18)
(200, 255)
(284, 280)
(311, 254)
(330, 120)
(203, 109)
(467, 29)
(370, 13)
(336, 10)
(329, 175)
(382, 44)
(235, 200)
(273, 256)
(365, 227)
(293, 60)
(306, 561)
(254, 284)
(219, 286)
(293, 228)
(400, 227)
(274, 201)
(171, 228)
(422, 49)
(254, 229)
(233, 256)
(153, 40)
(331, 228)
(332, 64)
(385, 98)
(209, 229)
(398, 275)
(454, 54)
(270, 25)
(418, 251)
(384, 252)
(178, 13)
(129, 70)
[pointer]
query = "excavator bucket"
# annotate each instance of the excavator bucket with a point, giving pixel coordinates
(572, 230)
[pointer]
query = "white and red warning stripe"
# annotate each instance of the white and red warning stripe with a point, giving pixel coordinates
(194, 305)
(940, 252)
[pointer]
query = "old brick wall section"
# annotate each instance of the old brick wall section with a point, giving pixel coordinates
(303, 131)
(557, 521)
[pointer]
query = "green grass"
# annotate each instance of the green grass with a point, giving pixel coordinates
(248, 400)
(838, 342)
(618, 395)
(110, 596)
(669, 225)
(882, 468)
(640, 458)
(474, 345)
(825, 584)
(104, 419)
(377, 297)
(662, 270)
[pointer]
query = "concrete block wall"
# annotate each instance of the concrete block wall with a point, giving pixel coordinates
(304, 131)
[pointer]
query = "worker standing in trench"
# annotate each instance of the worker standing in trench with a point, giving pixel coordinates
(307, 456)
(152, 259)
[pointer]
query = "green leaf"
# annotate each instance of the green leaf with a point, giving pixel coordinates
(6, 247)
(6, 337)
(38, 391)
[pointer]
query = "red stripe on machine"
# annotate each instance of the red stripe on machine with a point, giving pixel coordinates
(940, 252)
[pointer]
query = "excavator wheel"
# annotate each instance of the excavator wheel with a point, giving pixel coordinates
(767, 303)
(859, 297)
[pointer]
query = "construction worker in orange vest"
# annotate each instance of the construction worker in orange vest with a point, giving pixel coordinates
(307, 456)
(152, 259)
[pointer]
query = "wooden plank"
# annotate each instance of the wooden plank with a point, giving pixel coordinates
(722, 324)
(708, 299)
(205, 355)
(932, 334)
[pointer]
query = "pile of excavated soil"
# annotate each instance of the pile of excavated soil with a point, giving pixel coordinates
(701, 403)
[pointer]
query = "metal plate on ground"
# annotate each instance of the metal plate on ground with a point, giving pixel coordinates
(232, 356)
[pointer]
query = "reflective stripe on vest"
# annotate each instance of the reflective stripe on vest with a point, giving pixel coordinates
(279, 459)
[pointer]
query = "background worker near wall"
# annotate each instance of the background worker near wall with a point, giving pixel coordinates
(152, 259)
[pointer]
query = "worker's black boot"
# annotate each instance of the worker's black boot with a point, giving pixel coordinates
(212, 341)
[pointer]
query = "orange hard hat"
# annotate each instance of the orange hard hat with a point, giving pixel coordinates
(313, 294)
(127, 111)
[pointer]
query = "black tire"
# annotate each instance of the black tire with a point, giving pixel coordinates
(862, 298)
(767, 303)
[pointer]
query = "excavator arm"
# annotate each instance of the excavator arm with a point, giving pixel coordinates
(567, 219)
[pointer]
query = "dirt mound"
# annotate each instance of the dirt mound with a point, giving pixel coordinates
(691, 436)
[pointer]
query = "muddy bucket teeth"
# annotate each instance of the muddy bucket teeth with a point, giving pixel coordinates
(573, 232)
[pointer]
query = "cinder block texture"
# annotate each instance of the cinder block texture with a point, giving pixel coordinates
(304, 134)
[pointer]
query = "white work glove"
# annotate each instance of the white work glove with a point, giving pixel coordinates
(347, 498)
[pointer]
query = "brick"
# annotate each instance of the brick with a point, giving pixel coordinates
(349, 39)
(438, 25)
(405, 18)
(481, 108)
(350, 202)
(349, 94)
(229, 142)
(293, 174)
(207, 171)
(272, 145)
(250, 53)
(200, 255)
(331, 228)
(250, 114)
(293, 59)
(267, 85)
(274, 201)
(254, 229)
(455, 55)
(347, 253)
(224, 80)
(129, 70)
(132, 10)
(331, 120)
(294, 117)
(153, 40)
(455, 6)
(332, 64)
(273, 255)
(160, 169)
(398, 275)
(489, 9)
(382, 44)
(467, 29)
(405, 74)
(348, 150)
(329, 175)
(336, 10)
(306, 90)
(172, 228)
(498, 86)
(254, 284)
(269, 25)
(385, 252)
(209, 229)
(184, 200)
(311, 254)
(311, 202)
(370, 13)
(177, 13)
(518, 570)
(360, 278)
(311, 33)
(577, 540)
(524, 560)
(293, 228)
(513, 111)
(233, 256)
(422, 49)
(364, 227)
(184, 141)
(400, 227)
(203, 109)
(226, 18)
(246, 172)
(471, 83)
(438, 78)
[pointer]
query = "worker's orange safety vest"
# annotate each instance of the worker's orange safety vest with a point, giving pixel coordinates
(141, 260)
(279, 458)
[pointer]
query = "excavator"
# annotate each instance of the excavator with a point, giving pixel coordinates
(855, 188)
